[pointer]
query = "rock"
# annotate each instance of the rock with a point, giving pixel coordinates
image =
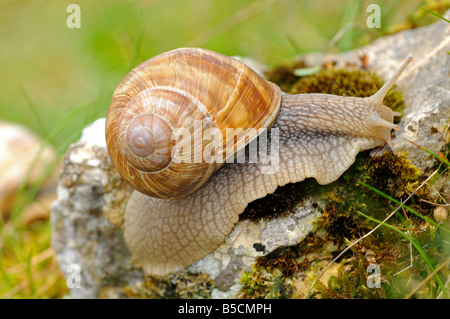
(90, 189)
(425, 83)
(86, 217)
(25, 159)
(440, 214)
(249, 240)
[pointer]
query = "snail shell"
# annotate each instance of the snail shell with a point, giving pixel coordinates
(177, 90)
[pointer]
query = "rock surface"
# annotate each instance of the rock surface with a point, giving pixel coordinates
(425, 83)
(90, 187)
(24, 157)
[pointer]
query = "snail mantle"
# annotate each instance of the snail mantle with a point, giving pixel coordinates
(87, 217)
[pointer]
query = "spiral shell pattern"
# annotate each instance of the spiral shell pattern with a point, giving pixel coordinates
(172, 91)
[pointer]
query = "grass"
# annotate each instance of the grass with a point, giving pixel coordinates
(437, 15)
(415, 241)
(56, 80)
(422, 253)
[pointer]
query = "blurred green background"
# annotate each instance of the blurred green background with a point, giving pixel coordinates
(55, 80)
(48, 70)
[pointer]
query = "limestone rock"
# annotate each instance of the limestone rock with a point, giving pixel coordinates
(24, 159)
(425, 83)
(90, 189)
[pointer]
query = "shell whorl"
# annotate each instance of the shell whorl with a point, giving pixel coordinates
(173, 91)
(143, 141)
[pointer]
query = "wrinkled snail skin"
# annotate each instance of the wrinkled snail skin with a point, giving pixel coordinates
(319, 136)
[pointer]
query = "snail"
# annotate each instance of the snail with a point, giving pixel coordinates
(184, 206)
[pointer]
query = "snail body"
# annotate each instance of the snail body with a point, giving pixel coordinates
(190, 207)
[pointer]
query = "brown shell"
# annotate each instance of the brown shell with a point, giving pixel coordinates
(190, 83)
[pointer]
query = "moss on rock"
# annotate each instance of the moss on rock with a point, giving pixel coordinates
(290, 271)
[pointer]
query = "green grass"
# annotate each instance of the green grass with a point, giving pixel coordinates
(428, 237)
(437, 15)
(412, 238)
(419, 248)
(56, 80)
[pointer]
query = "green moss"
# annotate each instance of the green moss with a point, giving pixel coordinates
(340, 224)
(281, 203)
(284, 76)
(350, 82)
(350, 283)
(178, 285)
(353, 82)
(261, 284)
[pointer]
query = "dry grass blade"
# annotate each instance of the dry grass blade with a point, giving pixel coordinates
(46, 254)
(441, 157)
(340, 34)
(428, 278)
(38, 282)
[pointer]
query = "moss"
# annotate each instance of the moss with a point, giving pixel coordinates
(284, 76)
(281, 203)
(341, 223)
(261, 284)
(177, 285)
(350, 283)
(352, 82)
